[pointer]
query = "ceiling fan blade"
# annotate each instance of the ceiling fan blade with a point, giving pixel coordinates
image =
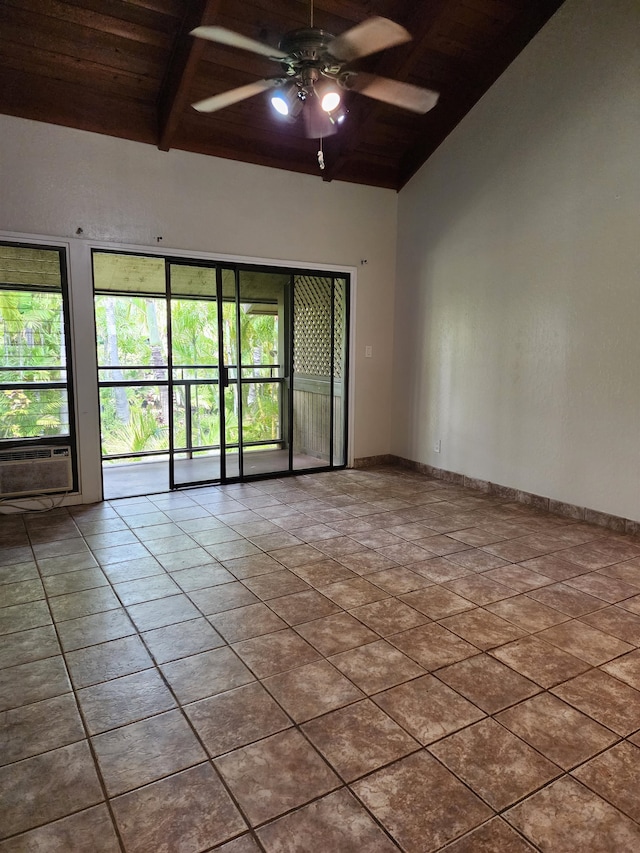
(394, 92)
(370, 36)
(226, 99)
(233, 39)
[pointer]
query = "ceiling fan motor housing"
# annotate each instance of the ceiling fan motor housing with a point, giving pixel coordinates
(308, 49)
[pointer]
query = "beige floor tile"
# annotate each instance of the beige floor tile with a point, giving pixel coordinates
(336, 822)
(398, 580)
(91, 826)
(495, 836)
(32, 682)
(338, 633)
(275, 775)
(273, 653)
(302, 607)
(142, 752)
(206, 674)
(483, 629)
(498, 766)
(424, 564)
(228, 596)
(626, 668)
(615, 776)
(243, 623)
(366, 562)
(607, 700)
(46, 787)
(311, 690)
(243, 844)
(420, 803)
(21, 592)
(352, 593)
(587, 823)
(562, 734)
(26, 646)
(358, 739)
(617, 622)
(190, 810)
(75, 581)
(584, 642)
(487, 683)
(22, 617)
(107, 660)
(567, 600)
(323, 573)
(275, 585)
(541, 662)
(97, 628)
(376, 666)
(237, 717)
(427, 708)
(164, 611)
(39, 727)
(124, 700)
(146, 589)
(182, 640)
(389, 616)
(436, 602)
(480, 589)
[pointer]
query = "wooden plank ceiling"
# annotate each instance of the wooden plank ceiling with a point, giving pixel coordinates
(129, 68)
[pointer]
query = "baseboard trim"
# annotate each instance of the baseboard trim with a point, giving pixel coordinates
(567, 510)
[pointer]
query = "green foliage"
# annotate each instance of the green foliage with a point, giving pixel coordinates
(32, 336)
(133, 331)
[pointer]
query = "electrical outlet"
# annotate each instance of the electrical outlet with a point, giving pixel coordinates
(437, 446)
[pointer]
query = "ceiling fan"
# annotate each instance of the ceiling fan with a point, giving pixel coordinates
(315, 73)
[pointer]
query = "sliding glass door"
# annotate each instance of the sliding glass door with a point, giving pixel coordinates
(210, 373)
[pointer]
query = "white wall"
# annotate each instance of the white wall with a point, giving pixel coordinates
(517, 337)
(55, 180)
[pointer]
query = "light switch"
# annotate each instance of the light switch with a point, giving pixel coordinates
(368, 352)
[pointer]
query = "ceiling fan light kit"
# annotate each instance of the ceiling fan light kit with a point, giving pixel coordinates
(314, 64)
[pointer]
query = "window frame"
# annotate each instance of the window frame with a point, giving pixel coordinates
(68, 384)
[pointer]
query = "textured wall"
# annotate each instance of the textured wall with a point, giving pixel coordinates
(56, 180)
(517, 339)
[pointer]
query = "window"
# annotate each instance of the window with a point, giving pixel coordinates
(35, 367)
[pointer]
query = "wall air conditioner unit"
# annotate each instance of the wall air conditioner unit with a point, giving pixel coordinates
(35, 470)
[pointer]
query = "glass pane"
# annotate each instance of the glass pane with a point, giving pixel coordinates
(32, 335)
(339, 370)
(30, 267)
(131, 331)
(134, 419)
(128, 273)
(33, 413)
(264, 298)
(193, 281)
(311, 371)
(202, 427)
(261, 411)
(231, 430)
(194, 336)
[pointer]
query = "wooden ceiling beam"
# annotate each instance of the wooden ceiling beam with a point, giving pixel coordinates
(398, 65)
(181, 70)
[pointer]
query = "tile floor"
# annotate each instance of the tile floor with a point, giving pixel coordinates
(354, 661)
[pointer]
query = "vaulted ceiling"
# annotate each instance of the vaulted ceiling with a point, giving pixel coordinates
(130, 69)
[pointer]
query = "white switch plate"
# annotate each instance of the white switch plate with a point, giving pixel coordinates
(368, 352)
(437, 446)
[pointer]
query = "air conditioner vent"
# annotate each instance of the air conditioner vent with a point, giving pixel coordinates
(35, 470)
